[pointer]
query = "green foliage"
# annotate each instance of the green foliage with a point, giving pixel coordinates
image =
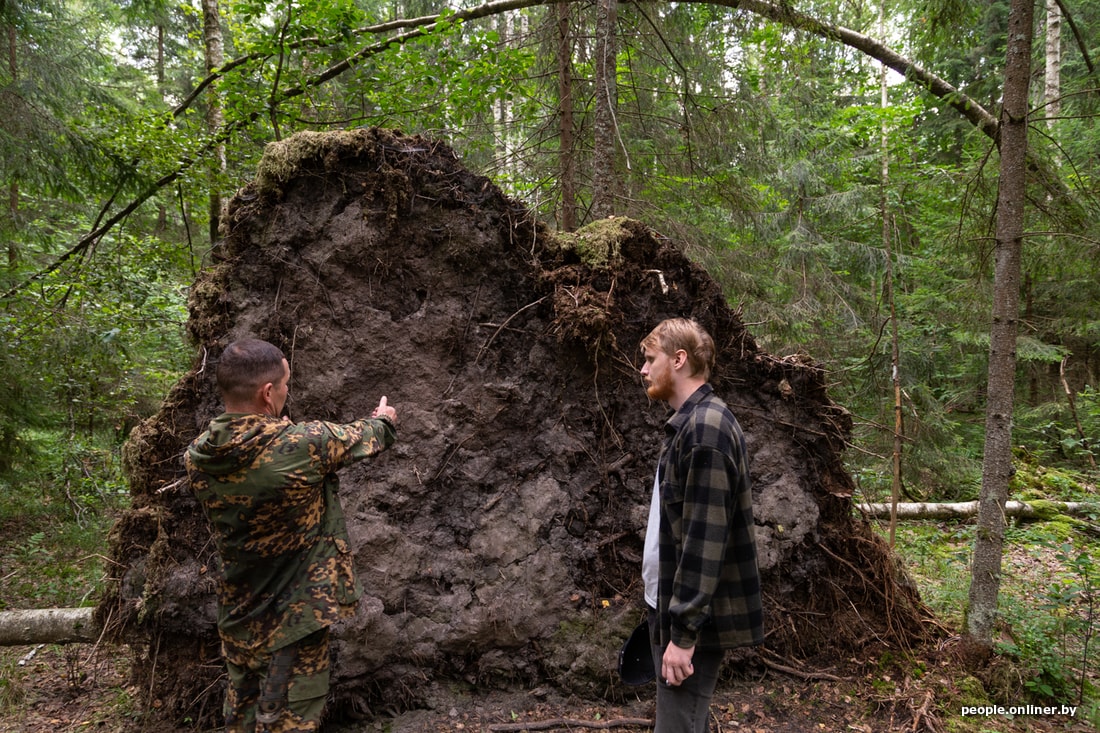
(112, 338)
(1056, 434)
(1053, 630)
(56, 506)
(1048, 603)
(53, 84)
(1035, 479)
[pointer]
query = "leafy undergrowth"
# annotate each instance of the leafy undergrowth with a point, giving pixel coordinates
(1045, 637)
(56, 507)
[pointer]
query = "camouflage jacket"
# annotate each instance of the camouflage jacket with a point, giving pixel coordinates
(708, 588)
(268, 487)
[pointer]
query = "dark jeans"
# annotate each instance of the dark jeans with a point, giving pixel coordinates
(686, 708)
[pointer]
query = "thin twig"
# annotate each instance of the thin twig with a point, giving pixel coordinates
(811, 675)
(501, 327)
(171, 486)
(569, 723)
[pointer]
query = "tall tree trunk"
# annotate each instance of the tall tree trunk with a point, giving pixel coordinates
(603, 152)
(13, 187)
(161, 32)
(567, 219)
(985, 579)
(162, 208)
(215, 57)
(1052, 87)
(1051, 105)
(13, 212)
(510, 26)
(895, 346)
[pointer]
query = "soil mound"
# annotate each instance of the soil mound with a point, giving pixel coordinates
(499, 541)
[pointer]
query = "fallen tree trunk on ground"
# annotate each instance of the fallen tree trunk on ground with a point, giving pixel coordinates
(48, 626)
(967, 509)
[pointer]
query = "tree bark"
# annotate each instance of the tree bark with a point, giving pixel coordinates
(1052, 78)
(985, 579)
(887, 246)
(13, 187)
(215, 117)
(48, 626)
(603, 128)
(968, 509)
(567, 219)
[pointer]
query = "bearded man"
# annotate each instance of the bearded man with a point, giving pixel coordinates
(702, 585)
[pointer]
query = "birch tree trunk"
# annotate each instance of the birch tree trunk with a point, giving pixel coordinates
(916, 510)
(1052, 78)
(215, 57)
(48, 626)
(603, 153)
(985, 579)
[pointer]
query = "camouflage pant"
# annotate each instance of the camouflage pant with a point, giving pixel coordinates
(299, 707)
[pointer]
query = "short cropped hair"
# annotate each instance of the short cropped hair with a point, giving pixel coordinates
(674, 334)
(245, 366)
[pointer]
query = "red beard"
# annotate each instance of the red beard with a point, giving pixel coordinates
(660, 387)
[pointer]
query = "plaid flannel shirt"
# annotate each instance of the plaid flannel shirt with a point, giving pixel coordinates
(709, 584)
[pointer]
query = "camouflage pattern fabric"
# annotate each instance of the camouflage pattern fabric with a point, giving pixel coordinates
(268, 487)
(306, 689)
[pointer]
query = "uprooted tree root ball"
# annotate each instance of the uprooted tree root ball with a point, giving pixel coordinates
(499, 541)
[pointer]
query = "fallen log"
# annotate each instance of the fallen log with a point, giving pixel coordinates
(48, 626)
(570, 723)
(966, 509)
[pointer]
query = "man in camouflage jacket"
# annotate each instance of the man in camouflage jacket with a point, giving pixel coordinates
(699, 564)
(268, 487)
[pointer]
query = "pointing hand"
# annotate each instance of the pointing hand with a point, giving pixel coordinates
(384, 410)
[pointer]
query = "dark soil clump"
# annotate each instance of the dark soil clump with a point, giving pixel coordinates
(499, 541)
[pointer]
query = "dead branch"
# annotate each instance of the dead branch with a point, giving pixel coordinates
(1073, 411)
(805, 675)
(922, 716)
(569, 723)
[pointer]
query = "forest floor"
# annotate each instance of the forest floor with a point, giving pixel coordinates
(84, 688)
